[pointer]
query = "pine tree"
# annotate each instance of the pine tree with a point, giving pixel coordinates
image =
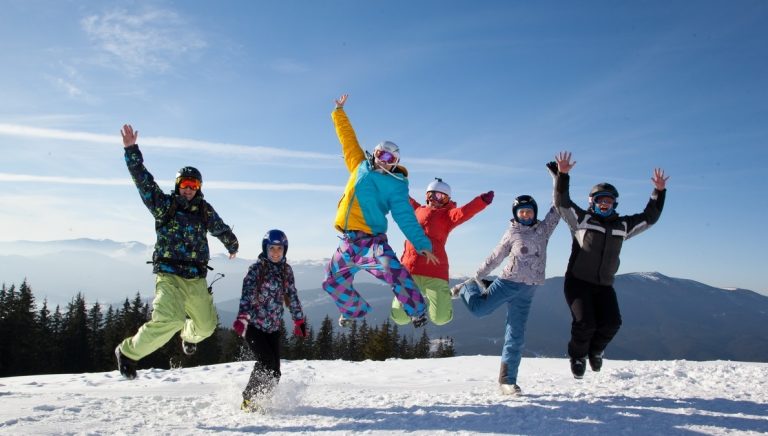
(96, 340)
(421, 348)
(48, 347)
(324, 346)
(77, 352)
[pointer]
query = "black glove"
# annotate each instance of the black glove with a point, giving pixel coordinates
(552, 167)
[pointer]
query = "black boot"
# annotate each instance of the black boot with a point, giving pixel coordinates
(126, 366)
(578, 367)
(596, 361)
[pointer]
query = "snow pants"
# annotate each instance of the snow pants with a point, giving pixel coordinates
(266, 370)
(438, 297)
(595, 316)
(362, 251)
(180, 305)
(518, 297)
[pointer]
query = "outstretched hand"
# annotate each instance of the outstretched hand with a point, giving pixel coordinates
(564, 163)
(341, 100)
(431, 258)
(129, 135)
(659, 180)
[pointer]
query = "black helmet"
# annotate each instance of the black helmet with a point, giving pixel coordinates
(522, 201)
(274, 237)
(188, 173)
(603, 190)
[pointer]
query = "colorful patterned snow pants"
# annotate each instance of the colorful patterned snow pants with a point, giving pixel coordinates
(362, 251)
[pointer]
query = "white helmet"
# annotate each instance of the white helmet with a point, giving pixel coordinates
(389, 148)
(440, 186)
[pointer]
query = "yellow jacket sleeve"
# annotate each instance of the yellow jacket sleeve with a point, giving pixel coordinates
(353, 153)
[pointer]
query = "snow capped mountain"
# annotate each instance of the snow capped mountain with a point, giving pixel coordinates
(664, 317)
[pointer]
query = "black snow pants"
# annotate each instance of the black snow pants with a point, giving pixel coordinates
(595, 316)
(266, 369)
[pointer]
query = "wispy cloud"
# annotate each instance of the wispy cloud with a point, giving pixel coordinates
(258, 153)
(148, 41)
(223, 185)
(254, 153)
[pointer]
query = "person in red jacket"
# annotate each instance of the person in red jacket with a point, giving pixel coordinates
(438, 217)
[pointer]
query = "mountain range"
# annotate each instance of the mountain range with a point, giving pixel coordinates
(664, 318)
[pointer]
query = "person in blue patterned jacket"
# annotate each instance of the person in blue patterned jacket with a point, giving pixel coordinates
(182, 220)
(268, 285)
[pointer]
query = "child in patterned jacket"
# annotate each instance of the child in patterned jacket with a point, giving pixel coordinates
(268, 285)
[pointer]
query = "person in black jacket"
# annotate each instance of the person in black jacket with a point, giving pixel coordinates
(598, 234)
(182, 221)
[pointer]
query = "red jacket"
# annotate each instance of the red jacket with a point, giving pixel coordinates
(437, 223)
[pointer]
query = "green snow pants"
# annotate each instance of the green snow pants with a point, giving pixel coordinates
(438, 296)
(180, 304)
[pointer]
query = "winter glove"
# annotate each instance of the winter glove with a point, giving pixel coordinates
(241, 324)
(300, 328)
(487, 197)
(552, 167)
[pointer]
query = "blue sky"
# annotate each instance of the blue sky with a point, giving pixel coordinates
(482, 94)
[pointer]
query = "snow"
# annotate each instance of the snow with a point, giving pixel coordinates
(456, 395)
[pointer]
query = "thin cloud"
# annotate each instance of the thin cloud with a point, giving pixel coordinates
(254, 153)
(222, 185)
(148, 41)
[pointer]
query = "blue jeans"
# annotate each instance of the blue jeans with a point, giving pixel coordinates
(518, 297)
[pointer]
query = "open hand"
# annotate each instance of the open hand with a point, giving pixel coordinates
(129, 135)
(341, 100)
(564, 163)
(431, 258)
(659, 180)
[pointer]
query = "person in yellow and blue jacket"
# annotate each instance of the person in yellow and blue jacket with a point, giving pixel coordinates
(377, 185)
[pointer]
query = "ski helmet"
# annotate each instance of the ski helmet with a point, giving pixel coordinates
(440, 186)
(188, 173)
(525, 201)
(387, 147)
(274, 237)
(603, 190)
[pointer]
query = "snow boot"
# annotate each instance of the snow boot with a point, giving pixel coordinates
(578, 367)
(419, 320)
(126, 366)
(344, 322)
(251, 406)
(596, 361)
(188, 348)
(512, 390)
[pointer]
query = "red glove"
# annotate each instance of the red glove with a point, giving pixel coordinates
(487, 197)
(241, 324)
(300, 328)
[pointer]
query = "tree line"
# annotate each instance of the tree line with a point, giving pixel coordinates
(82, 338)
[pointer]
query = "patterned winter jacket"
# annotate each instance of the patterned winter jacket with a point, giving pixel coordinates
(437, 224)
(370, 194)
(182, 245)
(266, 287)
(597, 240)
(526, 247)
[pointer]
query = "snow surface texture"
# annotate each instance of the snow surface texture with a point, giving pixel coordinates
(425, 397)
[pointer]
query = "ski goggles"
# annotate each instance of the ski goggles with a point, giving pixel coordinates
(192, 184)
(437, 196)
(605, 200)
(386, 157)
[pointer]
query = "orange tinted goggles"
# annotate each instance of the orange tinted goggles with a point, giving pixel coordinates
(193, 184)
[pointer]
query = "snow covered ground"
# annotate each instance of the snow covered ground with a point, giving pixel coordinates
(426, 397)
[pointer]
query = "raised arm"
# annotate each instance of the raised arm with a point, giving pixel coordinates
(353, 153)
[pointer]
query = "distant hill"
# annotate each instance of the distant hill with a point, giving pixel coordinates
(664, 318)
